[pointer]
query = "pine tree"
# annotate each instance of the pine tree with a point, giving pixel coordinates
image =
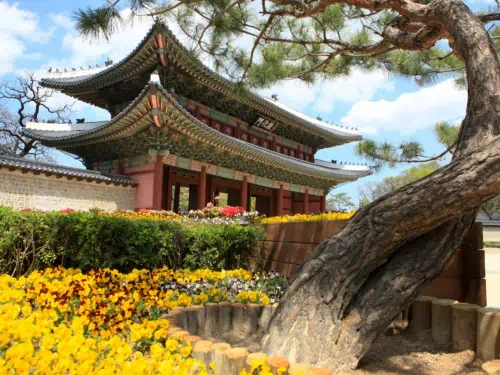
(358, 281)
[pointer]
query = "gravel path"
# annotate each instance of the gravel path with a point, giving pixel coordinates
(416, 355)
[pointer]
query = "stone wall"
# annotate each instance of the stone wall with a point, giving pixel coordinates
(49, 193)
(287, 245)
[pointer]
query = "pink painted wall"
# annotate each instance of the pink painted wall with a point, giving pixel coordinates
(144, 191)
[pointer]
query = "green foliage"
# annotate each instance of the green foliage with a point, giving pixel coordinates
(388, 154)
(372, 191)
(491, 207)
(221, 246)
(492, 244)
(340, 202)
(32, 240)
(262, 42)
(97, 22)
(447, 134)
(424, 66)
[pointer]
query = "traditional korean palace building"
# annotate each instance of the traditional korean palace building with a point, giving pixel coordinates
(178, 126)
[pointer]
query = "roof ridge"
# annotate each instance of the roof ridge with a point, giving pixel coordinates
(35, 165)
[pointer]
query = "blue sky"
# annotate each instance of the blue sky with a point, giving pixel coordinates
(38, 34)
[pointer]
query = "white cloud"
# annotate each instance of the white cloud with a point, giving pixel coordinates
(295, 94)
(84, 51)
(18, 27)
(62, 20)
(325, 95)
(357, 86)
(410, 111)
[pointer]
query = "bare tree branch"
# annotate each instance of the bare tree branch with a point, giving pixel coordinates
(31, 103)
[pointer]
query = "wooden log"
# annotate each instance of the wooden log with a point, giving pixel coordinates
(211, 320)
(299, 369)
(265, 318)
(492, 367)
(239, 326)
(202, 351)
(254, 357)
(464, 326)
(182, 334)
(236, 360)
(320, 371)
(276, 362)
(441, 320)
(193, 339)
(181, 316)
(224, 320)
(173, 330)
(421, 311)
(192, 318)
(488, 334)
(219, 357)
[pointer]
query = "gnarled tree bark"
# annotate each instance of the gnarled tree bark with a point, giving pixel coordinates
(358, 281)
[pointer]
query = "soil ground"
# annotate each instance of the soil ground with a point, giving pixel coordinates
(406, 353)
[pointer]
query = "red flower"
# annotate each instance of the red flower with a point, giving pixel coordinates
(67, 211)
(231, 211)
(26, 210)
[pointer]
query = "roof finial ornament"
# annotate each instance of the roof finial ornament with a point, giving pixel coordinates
(155, 77)
(50, 70)
(108, 62)
(65, 70)
(90, 67)
(57, 70)
(319, 118)
(73, 69)
(274, 97)
(97, 65)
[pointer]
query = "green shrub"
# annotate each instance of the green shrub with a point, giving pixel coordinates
(33, 240)
(221, 246)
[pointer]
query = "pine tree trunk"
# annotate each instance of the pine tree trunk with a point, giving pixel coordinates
(358, 281)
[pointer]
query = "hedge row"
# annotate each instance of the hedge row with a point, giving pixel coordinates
(34, 240)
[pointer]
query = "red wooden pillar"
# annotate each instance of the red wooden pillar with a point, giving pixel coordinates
(306, 201)
(279, 203)
(244, 193)
(323, 203)
(168, 189)
(202, 188)
(158, 191)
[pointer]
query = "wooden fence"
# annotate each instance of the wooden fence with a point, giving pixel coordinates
(287, 246)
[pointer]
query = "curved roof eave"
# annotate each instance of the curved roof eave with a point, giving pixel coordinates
(115, 128)
(332, 134)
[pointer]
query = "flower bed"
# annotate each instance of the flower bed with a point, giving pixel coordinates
(208, 215)
(61, 321)
(34, 240)
(308, 217)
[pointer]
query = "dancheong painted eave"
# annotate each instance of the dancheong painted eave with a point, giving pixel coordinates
(160, 45)
(164, 111)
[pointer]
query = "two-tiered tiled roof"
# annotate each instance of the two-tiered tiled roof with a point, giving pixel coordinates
(138, 116)
(148, 55)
